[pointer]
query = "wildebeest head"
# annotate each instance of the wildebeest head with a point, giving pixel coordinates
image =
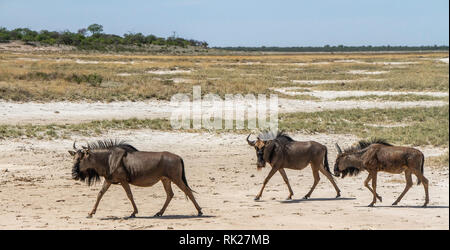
(259, 146)
(262, 146)
(81, 169)
(345, 163)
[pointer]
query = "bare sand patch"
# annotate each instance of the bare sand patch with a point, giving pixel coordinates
(243, 63)
(330, 94)
(348, 61)
(226, 181)
(182, 80)
(169, 72)
(125, 74)
(86, 62)
(29, 59)
(20, 46)
(71, 112)
(366, 72)
(316, 82)
(391, 125)
(396, 63)
(444, 60)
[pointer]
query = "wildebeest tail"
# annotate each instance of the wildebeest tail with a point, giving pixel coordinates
(183, 176)
(421, 170)
(325, 161)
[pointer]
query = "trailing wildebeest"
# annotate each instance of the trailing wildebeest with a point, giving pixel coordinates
(281, 151)
(378, 155)
(122, 163)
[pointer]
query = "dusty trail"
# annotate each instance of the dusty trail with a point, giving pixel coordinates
(71, 112)
(37, 192)
(330, 94)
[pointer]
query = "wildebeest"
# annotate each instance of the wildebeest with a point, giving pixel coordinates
(378, 155)
(281, 151)
(119, 162)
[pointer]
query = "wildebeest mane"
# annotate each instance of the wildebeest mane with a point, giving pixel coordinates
(90, 176)
(110, 144)
(279, 136)
(351, 171)
(280, 140)
(366, 143)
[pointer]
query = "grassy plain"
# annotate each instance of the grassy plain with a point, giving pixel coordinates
(116, 77)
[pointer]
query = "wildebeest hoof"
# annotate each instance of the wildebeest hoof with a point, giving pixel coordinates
(89, 216)
(425, 205)
(371, 205)
(158, 214)
(306, 197)
(381, 199)
(338, 195)
(256, 198)
(289, 198)
(132, 216)
(394, 204)
(200, 213)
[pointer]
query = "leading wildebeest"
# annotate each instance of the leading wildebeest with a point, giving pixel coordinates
(281, 151)
(122, 163)
(378, 155)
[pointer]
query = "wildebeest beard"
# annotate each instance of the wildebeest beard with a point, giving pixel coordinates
(90, 176)
(351, 171)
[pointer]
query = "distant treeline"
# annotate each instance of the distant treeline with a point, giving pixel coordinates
(340, 48)
(93, 38)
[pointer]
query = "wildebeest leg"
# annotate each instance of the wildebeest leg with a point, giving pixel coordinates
(283, 174)
(409, 184)
(366, 184)
(330, 178)
(127, 188)
(316, 176)
(189, 194)
(105, 187)
(169, 192)
(374, 187)
(425, 186)
(424, 181)
(271, 173)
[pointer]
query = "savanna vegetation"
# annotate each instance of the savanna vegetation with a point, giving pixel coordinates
(93, 38)
(111, 77)
(338, 48)
(406, 126)
(409, 126)
(106, 77)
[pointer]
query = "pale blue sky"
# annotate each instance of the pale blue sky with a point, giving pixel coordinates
(246, 22)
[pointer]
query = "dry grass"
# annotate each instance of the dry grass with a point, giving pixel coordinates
(440, 161)
(420, 126)
(47, 76)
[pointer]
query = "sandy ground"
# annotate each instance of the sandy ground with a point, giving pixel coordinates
(317, 82)
(71, 112)
(22, 47)
(37, 193)
(330, 94)
(444, 60)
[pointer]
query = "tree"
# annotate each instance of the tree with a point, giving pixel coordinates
(82, 31)
(95, 28)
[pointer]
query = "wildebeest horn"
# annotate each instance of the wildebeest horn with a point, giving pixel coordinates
(338, 148)
(74, 147)
(251, 143)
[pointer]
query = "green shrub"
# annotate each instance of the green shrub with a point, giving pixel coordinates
(94, 80)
